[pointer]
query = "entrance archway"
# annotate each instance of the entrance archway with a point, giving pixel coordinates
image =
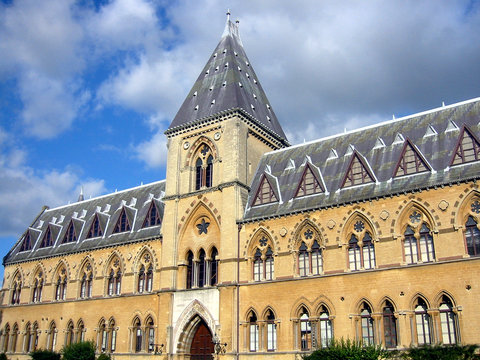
(202, 344)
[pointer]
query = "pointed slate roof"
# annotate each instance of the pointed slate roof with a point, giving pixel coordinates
(226, 83)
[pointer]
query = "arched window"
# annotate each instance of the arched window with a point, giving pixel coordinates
(137, 329)
(253, 332)
(422, 321)
(34, 335)
(86, 286)
(214, 267)
(141, 279)
(204, 168)
(448, 321)
(149, 284)
(326, 330)
(95, 228)
(14, 338)
(28, 338)
(52, 337)
(61, 285)
(269, 264)
(112, 342)
(410, 246)
(418, 241)
(153, 217)
(257, 266)
(303, 263)
(102, 330)
(150, 331)
(201, 269)
(317, 260)
(190, 270)
(389, 326)
(114, 284)
(366, 319)
(123, 223)
(426, 244)
(305, 331)
(354, 253)
(472, 237)
(37, 288)
(6, 338)
(368, 252)
(271, 331)
(80, 331)
(69, 334)
(16, 290)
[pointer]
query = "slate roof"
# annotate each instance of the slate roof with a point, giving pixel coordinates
(136, 202)
(228, 82)
(434, 133)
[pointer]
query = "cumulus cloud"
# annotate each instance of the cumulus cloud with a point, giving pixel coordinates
(154, 151)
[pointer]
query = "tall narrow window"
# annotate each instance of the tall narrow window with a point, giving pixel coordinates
(201, 269)
(149, 284)
(189, 270)
(113, 335)
(367, 325)
(326, 331)
(472, 237)
(269, 264)
(198, 174)
(47, 239)
(271, 332)
(153, 217)
(14, 338)
(6, 338)
(303, 263)
(37, 288)
(114, 284)
(448, 320)
(61, 287)
(26, 243)
(317, 261)
(28, 338)
(253, 327)
(111, 282)
(138, 335)
(16, 290)
(103, 336)
(95, 228)
(354, 253)
(52, 337)
(209, 172)
(141, 279)
(204, 168)
(150, 330)
(214, 267)
(80, 331)
(422, 320)
(118, 283)
(368, 252)
(69, 335)
(426, 244)
(257, 266)
(70, 235)
(34, 335)
(389, 326)
(410, 246)
(305, 331)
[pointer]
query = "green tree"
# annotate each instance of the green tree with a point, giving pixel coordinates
(351, 350)
(84, 350)
(104, 357)
(44, 355)
(441, 352)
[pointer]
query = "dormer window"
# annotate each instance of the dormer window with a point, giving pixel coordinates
(47, 239)
(265, 193)
(95, 228)
(70, 236)
(123, 224)
(153, 216)
(26, 243)
(468, 148)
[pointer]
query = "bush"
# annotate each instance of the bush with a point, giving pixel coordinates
(44, 355)
(3, 356)
(351, 350)
(84, 350)
(441, 352)
(104, 357)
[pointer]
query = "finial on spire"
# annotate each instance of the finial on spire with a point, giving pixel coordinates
(228, 15)
(237, 22)
(80, 197)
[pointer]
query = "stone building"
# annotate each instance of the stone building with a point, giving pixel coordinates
(252, 247)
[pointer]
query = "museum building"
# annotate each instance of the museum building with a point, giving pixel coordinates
(253, 248)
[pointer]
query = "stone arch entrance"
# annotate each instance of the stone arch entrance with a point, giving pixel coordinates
(196, 340)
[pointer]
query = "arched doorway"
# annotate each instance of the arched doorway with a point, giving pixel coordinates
(202, 344)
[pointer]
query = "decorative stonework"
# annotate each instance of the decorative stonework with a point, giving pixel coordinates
(331, 224)
(384, 215)
(283, 232)
(443, 205)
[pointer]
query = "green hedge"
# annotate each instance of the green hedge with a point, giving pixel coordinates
(441, 352)
(84, 350)
(104, 357)
(44, 355)
(351, 350)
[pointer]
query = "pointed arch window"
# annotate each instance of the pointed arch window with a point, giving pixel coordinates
(149, 282)
(418, 247)
(257, 266)
(467, 149)
(137, 328)
(263, 265)
(47, 239)
(6, 338)
(214, 267)
(389, 326)
(28, 337)
(86, 285)
(26, 243)
(80, 331)
(269, 264)
(37, 288)
(14, 338)
(253, 332)
(114, 285)
(423, 323)
(34, 337)
(112, 341)
(448, 322)
(123, 224)
(316, 259)
(52, 337)
(150, 331)
(190, 274)
(354, 253)
(271, 331)
(305, 331)
(357, 173)
(309, 183)
(265, 193)
(201, 268)
(70, 235)
(303, 263)
(204, 168)
(69, 334)
(410, 161)
(103, 336)
(366, 319)
(141, 279)
(326, 330)
(16, 290)
(153, 216)
(472, 237)
(95, 229)
(61, 287)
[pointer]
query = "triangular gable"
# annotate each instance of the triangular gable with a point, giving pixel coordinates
(332, 154)
(451, 126)
(123, 222)
(96, 228)
(309, 183)
(399, 139)
(467, 149)
(411, 161)
(430, 131)
(27, 242)
(357, 172)
(379, 143)
(71, 234)
(265, 193)
(153, 216)
(48, 238)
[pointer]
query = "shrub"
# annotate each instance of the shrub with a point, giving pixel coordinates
(3, 356)
(104, 357)
(441, 352)
(44, 355)
(84, 350)
(351, 350)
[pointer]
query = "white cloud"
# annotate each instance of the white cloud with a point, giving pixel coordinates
(154, 151)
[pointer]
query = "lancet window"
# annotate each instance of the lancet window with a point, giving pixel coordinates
(114, 283)
(263, 262)
(138, 335)
(153, 216)
(310, 260)
(204, 168)
(145, 274)
(16, 290)
(389, 326)
(472, 234)
(52, 337)
(253, 332)
(448, 322)
(69, 333)
(150, 334)
(325, 327)
(86, 282)
(423, 323)
(70, 235)
(203, 271)
(367, 325)
(47, 239)
(95, 229)
(123, 223)
(361, 253)
(37, 287)
(271, 331)
(61, 285)
(305, 330)
(26, 243)
(418, 240)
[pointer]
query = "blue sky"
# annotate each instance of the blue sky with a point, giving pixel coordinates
(88, 88)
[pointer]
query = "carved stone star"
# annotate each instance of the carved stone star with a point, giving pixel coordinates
(203, 227)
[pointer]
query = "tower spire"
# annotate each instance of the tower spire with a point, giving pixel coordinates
(228, 15)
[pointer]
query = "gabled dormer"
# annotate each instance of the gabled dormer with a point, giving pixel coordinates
(309, 183)
(265, 193)
(358, 172)
(411, 161)
(467, 148)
